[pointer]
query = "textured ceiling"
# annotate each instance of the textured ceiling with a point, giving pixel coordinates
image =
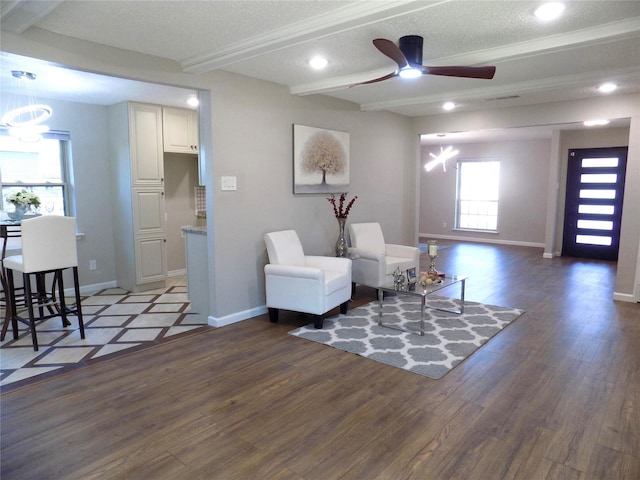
(594, 41)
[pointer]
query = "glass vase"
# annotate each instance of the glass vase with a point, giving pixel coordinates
(341, 243)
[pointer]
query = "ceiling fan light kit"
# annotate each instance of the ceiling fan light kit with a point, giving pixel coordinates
(409, 72)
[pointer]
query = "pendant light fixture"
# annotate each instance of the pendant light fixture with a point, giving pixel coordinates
(441, 158)
(25, 120)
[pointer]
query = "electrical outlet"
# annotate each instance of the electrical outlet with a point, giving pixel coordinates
(444, 224)
(92, 264)
(228, 183)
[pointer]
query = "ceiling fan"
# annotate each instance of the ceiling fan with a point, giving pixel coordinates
(408, 56)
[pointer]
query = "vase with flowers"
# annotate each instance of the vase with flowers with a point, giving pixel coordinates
(23, 201)
(341, 210)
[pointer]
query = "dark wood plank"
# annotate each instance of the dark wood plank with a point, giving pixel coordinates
(553, 396)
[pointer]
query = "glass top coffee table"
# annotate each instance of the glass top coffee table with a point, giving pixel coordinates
(418, 290)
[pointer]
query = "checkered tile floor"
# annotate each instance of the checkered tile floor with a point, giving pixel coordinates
(115, 320)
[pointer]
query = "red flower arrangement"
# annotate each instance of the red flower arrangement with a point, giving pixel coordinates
(338, 205)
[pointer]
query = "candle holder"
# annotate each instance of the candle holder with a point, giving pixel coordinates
(432, 251)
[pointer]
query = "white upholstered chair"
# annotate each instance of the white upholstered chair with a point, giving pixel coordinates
(304, 283)
(48, 246)
(374, 261)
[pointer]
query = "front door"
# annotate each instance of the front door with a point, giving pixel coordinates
(593, 207)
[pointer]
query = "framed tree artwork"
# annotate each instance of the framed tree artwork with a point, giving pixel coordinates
(320, 160)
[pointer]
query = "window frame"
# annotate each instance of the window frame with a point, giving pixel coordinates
(64, 142)
(458, 212)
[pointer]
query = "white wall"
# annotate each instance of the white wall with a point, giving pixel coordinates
(253, 140)
(524, 169)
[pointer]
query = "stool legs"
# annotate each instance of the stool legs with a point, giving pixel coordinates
(42, 300)
(11, 294)
(76, 288)
(8, 315)
(29, 301)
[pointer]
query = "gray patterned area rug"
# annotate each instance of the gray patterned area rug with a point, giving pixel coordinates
(449, 338)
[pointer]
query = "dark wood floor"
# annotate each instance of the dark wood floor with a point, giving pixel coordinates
(556, 395)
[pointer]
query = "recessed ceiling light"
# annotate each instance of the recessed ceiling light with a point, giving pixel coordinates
(193, 101)
(318, 62)
(549, 11)
(449, 106)
(607, 87)
(595, 123)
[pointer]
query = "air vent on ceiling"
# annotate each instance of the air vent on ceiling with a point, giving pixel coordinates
(508, 97)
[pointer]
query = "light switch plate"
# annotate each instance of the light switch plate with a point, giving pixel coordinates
(228, 183)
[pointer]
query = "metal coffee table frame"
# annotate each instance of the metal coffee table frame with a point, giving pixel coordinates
(415, 289)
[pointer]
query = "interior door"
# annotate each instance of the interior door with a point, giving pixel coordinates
(593, 207)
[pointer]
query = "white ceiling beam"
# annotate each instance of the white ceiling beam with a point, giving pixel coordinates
(338, 83)
(353, 15)
(19, 15)
(627, 28)
(521, 88)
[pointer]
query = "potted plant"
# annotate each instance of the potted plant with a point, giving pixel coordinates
(23, 201)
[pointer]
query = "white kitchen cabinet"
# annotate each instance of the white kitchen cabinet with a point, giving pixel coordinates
(148, 211)
(135, 132)
(180, 130)
(145, 131)
(151, 260)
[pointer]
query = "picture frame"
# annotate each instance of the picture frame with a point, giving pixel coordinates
(321, 160)
(411, 275)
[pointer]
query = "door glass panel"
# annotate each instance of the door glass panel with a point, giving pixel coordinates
(595, 224)
(593, 240)
(599, 162)
(606, 194)
(597, 209)
(593, 202)
(599, 178)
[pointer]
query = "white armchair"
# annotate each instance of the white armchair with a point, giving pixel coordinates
(374, 261)
(304, 283)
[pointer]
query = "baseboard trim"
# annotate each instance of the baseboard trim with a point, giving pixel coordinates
(90, 289)
(236, 317)
(177, 273)
(624, 297)
(481, 240)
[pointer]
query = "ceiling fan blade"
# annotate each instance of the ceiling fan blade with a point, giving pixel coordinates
(375, 80)
(469, 72)
(391, 50)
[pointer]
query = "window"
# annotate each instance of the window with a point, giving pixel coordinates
(39, 167)
(477, 195)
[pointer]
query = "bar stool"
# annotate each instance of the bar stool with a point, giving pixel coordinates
(7, 231)
(48, 246)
